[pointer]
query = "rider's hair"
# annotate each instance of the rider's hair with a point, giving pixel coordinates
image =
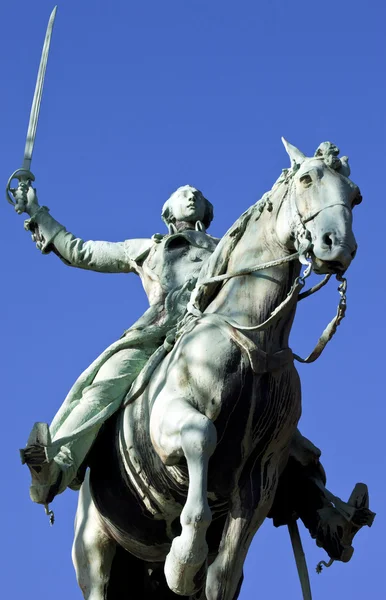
(167, 213)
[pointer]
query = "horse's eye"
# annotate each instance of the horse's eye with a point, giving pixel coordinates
(305, 180)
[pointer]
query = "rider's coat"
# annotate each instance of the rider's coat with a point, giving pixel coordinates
(168, 267)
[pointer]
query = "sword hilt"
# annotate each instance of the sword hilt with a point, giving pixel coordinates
(24, 176)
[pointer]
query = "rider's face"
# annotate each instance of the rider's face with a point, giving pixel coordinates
(188, 205)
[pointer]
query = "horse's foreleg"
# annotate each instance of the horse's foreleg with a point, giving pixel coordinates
(93, 551)
(178, 430)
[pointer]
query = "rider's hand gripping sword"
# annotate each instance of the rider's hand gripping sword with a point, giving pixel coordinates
(24, 174)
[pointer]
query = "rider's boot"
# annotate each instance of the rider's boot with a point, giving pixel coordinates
(338, 522)
(46, 475)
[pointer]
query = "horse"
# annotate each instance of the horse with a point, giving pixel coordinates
(182, 478)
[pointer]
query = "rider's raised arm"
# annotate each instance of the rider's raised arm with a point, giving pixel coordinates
(105, 257)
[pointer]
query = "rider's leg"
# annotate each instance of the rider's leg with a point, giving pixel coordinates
(178, 430)
(330, 520)
(98, 402)
(302, 491)
(93, 551)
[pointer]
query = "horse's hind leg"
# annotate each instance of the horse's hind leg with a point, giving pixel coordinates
(177, 430)
(93, 551)
(250, 505)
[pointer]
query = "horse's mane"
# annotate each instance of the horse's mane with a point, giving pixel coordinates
(217, 264)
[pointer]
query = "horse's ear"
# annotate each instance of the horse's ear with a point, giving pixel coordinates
(295, 155)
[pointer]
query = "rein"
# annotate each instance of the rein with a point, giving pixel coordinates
(331, 328)
(277, 313)
(249, 270)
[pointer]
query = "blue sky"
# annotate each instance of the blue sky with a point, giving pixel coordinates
(140, 98)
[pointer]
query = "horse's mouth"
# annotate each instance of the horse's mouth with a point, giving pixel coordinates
(327, 267)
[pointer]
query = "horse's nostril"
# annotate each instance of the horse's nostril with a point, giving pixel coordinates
(327, 239)
(353, 253)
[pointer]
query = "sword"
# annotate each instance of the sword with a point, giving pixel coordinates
(24, 174)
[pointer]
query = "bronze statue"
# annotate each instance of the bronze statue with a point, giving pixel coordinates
(188, 424)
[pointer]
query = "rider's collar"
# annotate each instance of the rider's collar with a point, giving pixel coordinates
(198, 226)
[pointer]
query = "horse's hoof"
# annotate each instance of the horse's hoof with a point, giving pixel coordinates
(183, 576)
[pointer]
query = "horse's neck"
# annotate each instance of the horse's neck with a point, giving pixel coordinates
(249, 300)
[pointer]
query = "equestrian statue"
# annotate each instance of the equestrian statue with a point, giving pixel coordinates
(182, 436)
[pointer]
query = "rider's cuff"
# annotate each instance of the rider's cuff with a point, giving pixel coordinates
(44, 228)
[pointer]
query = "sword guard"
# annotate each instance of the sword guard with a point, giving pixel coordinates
(21, 175)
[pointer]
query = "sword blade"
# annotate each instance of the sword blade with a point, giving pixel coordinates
(35, 108)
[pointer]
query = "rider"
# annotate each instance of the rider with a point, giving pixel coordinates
(168, 266)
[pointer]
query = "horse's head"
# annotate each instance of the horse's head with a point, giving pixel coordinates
(319, 213)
